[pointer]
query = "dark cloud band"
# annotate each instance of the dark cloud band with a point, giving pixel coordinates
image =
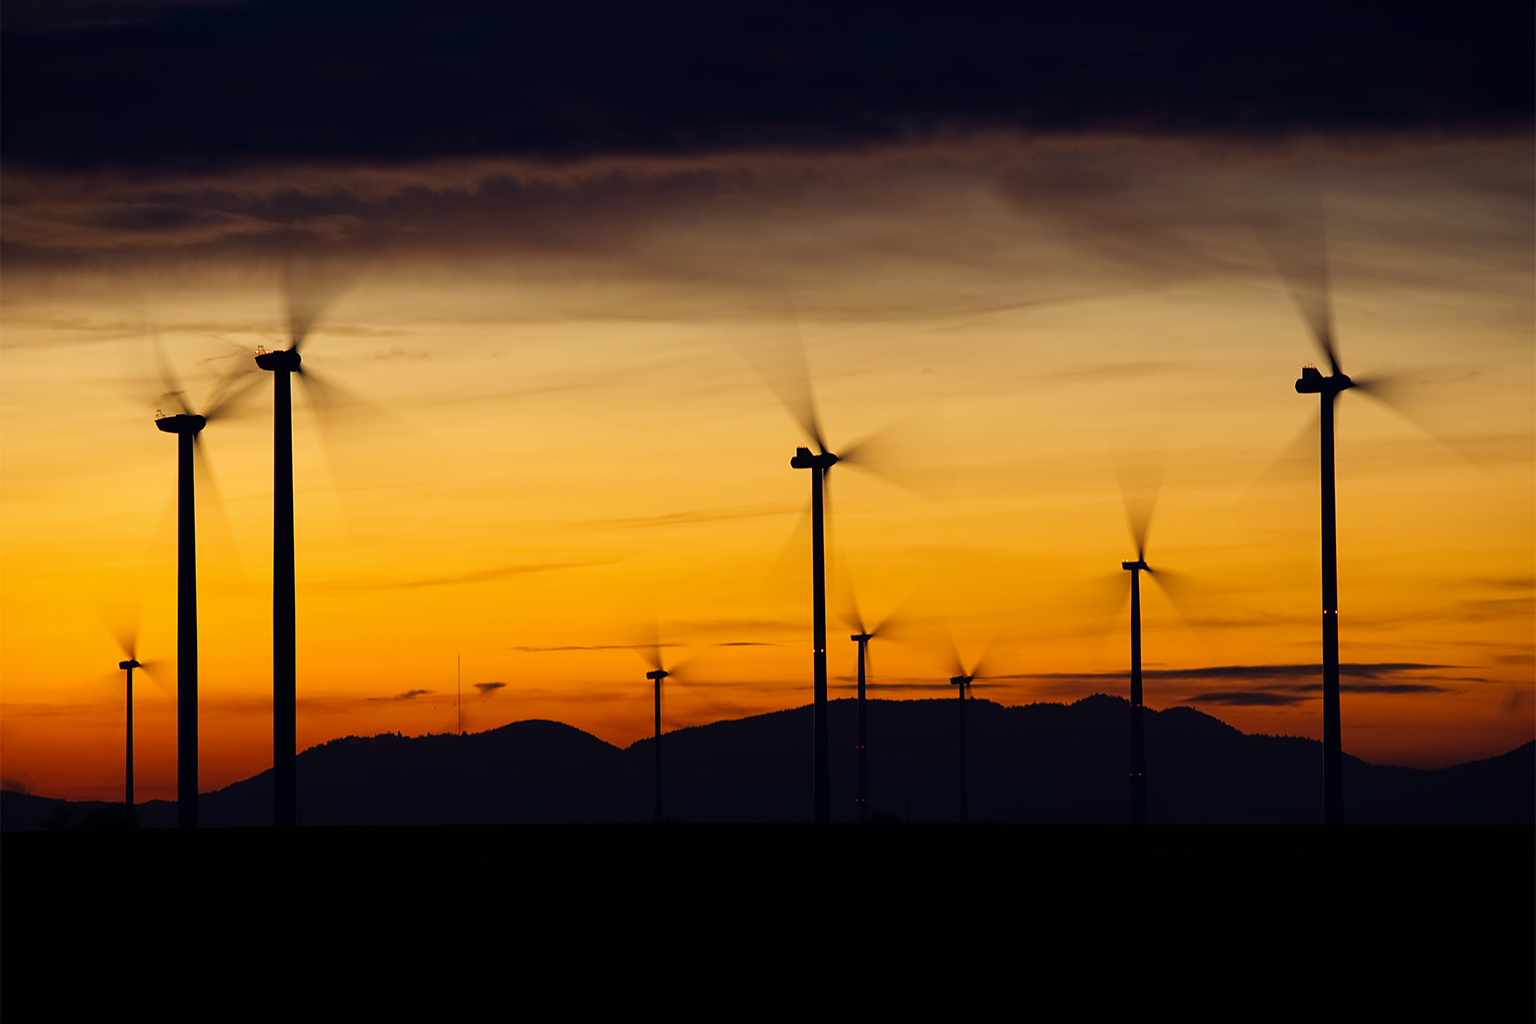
(207, 85)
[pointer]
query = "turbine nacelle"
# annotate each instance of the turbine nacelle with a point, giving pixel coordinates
(279, 360)
(862, 637)
(658, 675)
(805, 460)
(1313, 382)
(130, 663)
(1139, 564)
(182, 423)
(961, 681)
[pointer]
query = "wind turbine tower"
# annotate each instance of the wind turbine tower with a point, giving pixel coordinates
(863, 639)
(819, 465)
(963, 681)
(1138, 741)
(282, 364)
(186, 426)
(1328, 389)
(130, 665)
(656, 676)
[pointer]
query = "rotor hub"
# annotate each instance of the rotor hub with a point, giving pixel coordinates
(1313, 382)
(184, 423)
(280, 360)
(805, 459)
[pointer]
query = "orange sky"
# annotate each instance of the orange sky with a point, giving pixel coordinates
(578, 442)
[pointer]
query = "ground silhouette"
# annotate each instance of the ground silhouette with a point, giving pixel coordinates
(1036, 763)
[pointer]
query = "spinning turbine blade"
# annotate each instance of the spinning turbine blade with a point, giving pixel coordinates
(1293, 229)
(905, 454)
(211, 501)
(1141, 479)
(311, 284)
(171, 393)
(1298, 460)
(779, 359)
(233, 388)
(127, 637)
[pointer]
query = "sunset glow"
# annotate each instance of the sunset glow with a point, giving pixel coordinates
(564, 435)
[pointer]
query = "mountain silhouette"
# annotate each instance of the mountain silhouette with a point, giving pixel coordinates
(1043, 763)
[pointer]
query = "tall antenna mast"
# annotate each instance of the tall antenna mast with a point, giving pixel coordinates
(459, 698)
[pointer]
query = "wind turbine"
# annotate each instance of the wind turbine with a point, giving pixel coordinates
(656, 675)
(861, 801)
(130, 665)
(188, 425)
(789, 377)
(651, 651)
(127, 640)
(1300, 253)
(864, 635)
(1139, 505)
(305, 299)
(962, 680)
(820, 464)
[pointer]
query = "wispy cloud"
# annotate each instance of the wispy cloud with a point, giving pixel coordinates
(1247, 698)
(409, 695)
(1116, 371)
(581, 647)
(488, 689)
(472, 576)
(1360, 670)
(707, 515)
(1277, 685)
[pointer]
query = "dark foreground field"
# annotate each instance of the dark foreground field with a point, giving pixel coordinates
(1204, 921)
(1361, 848)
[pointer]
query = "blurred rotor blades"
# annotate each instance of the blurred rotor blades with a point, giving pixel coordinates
(906, 453)
(220, 535)
(790, 573)
(1141, 478)
(1182, 590)
(1298, 460)
(845, 597)
(233, 387)
(1293, 228)
(171, 391)
(779, 359)
(126, 633)
(1423, 400)
(1103, 597)
(312, 282)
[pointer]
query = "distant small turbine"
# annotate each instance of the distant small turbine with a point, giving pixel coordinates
(1140, 497)
(656, 676)
(861, 802)
(652, 654)
(127, 640)
(864, 635)
(130, 665)
(963, 681)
